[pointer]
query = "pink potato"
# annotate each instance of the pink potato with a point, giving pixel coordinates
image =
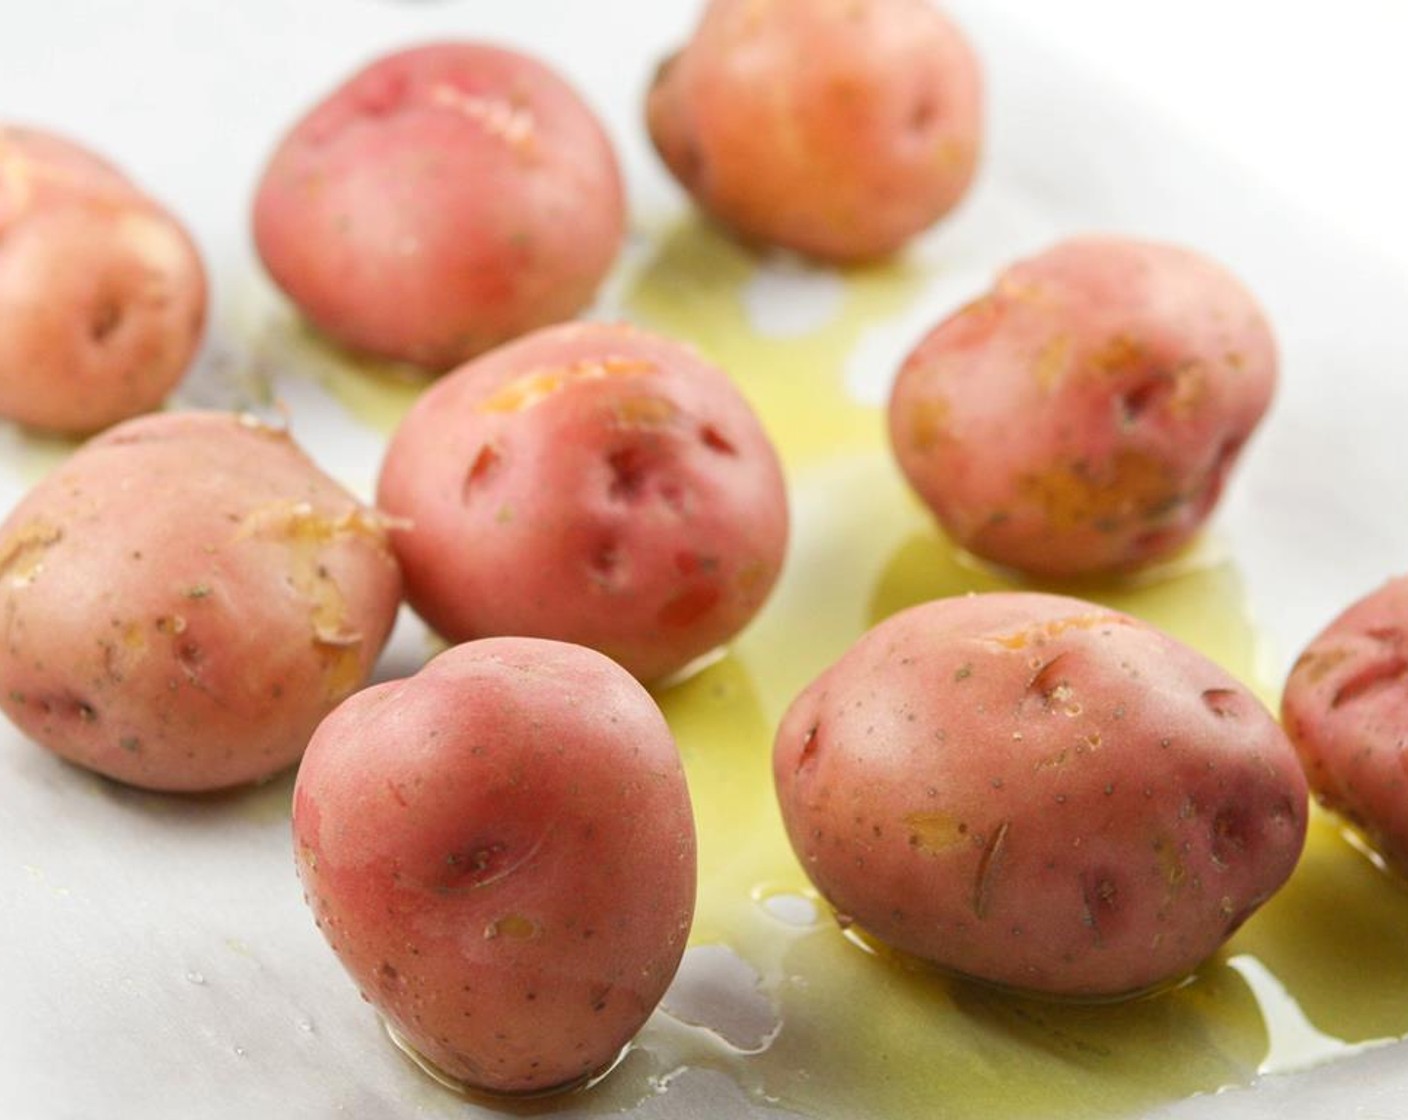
(185, 598)
(102, 291)
(1345, 707)
(500, 850)
(593, 483)
(442, 200)
(836, 128)
(1082, 417)
(1039, 793)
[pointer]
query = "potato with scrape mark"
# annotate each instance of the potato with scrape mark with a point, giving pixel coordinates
(185, 598)
(440, 201)
(1039, 793)
(500, 849)
(102, 291)
(1083, 416)
(1345, 707)
(836, 128)
(592, 483)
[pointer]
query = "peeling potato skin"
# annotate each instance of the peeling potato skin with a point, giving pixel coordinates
(102, 291)
(501, 851)
(1345, 707)
(836, 128)
(1039, 793)
(440, 201)
(1083, 416)
(592, 483)
(184, 599)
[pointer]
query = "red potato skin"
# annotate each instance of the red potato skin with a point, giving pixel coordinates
(1345, 707)
(184, 599)
(1083, 417)
(836, 128)
(501, 852)
(441, 201)
(592, 483)
(102, 291)
(1039, 793)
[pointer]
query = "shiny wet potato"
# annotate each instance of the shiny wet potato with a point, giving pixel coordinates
(500, 849)
(1345, 707)
(185, 598)
(440, 201)
(836, 128)
(1039, 793)
(102, 291)
(1084, 415)
(592, 483)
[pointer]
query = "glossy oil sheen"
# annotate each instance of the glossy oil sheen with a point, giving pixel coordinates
(847, 1029)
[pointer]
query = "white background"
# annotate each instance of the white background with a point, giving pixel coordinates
(1305, 100)
(1311, 98)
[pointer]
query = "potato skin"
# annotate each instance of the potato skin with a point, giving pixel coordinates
(837, 128)
(592, 483)
(184, 599)
(102, 291)
(1345, 707)
(1039, 793)
(1133, 373)
(501, 851)
(442, 200)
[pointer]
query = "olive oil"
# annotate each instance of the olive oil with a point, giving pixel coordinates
(840, 1027)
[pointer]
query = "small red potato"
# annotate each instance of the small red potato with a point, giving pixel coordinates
(1039, 793)
(185, 598)
(836, 128)
(592, 483)
(1345, 707)
(441, 201)
(1083, 416)
(102, 291)
(500, 850)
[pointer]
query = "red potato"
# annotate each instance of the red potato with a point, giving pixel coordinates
(1083, 417)
(102, 292)
(441, 201)
(837, 128)
(185, 598)
(500, 849)
(592, 483)
(1039, 793)
(1345, 708)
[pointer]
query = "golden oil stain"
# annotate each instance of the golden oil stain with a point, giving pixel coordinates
(283, 350)
(1323, 967)
(865, 1033)
(693, 288)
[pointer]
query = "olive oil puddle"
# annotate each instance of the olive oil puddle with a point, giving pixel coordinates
(1322, 968)
(830, 1028)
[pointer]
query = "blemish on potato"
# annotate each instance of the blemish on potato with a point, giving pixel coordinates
(22, 554)
(1053, 362)
(1389, 670)
(989, 866)
(515, 927)
(537, 385)
(1223, 702)
(485, 465)
(933, 833)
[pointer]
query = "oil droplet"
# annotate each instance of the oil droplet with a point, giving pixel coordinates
(195, 977)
